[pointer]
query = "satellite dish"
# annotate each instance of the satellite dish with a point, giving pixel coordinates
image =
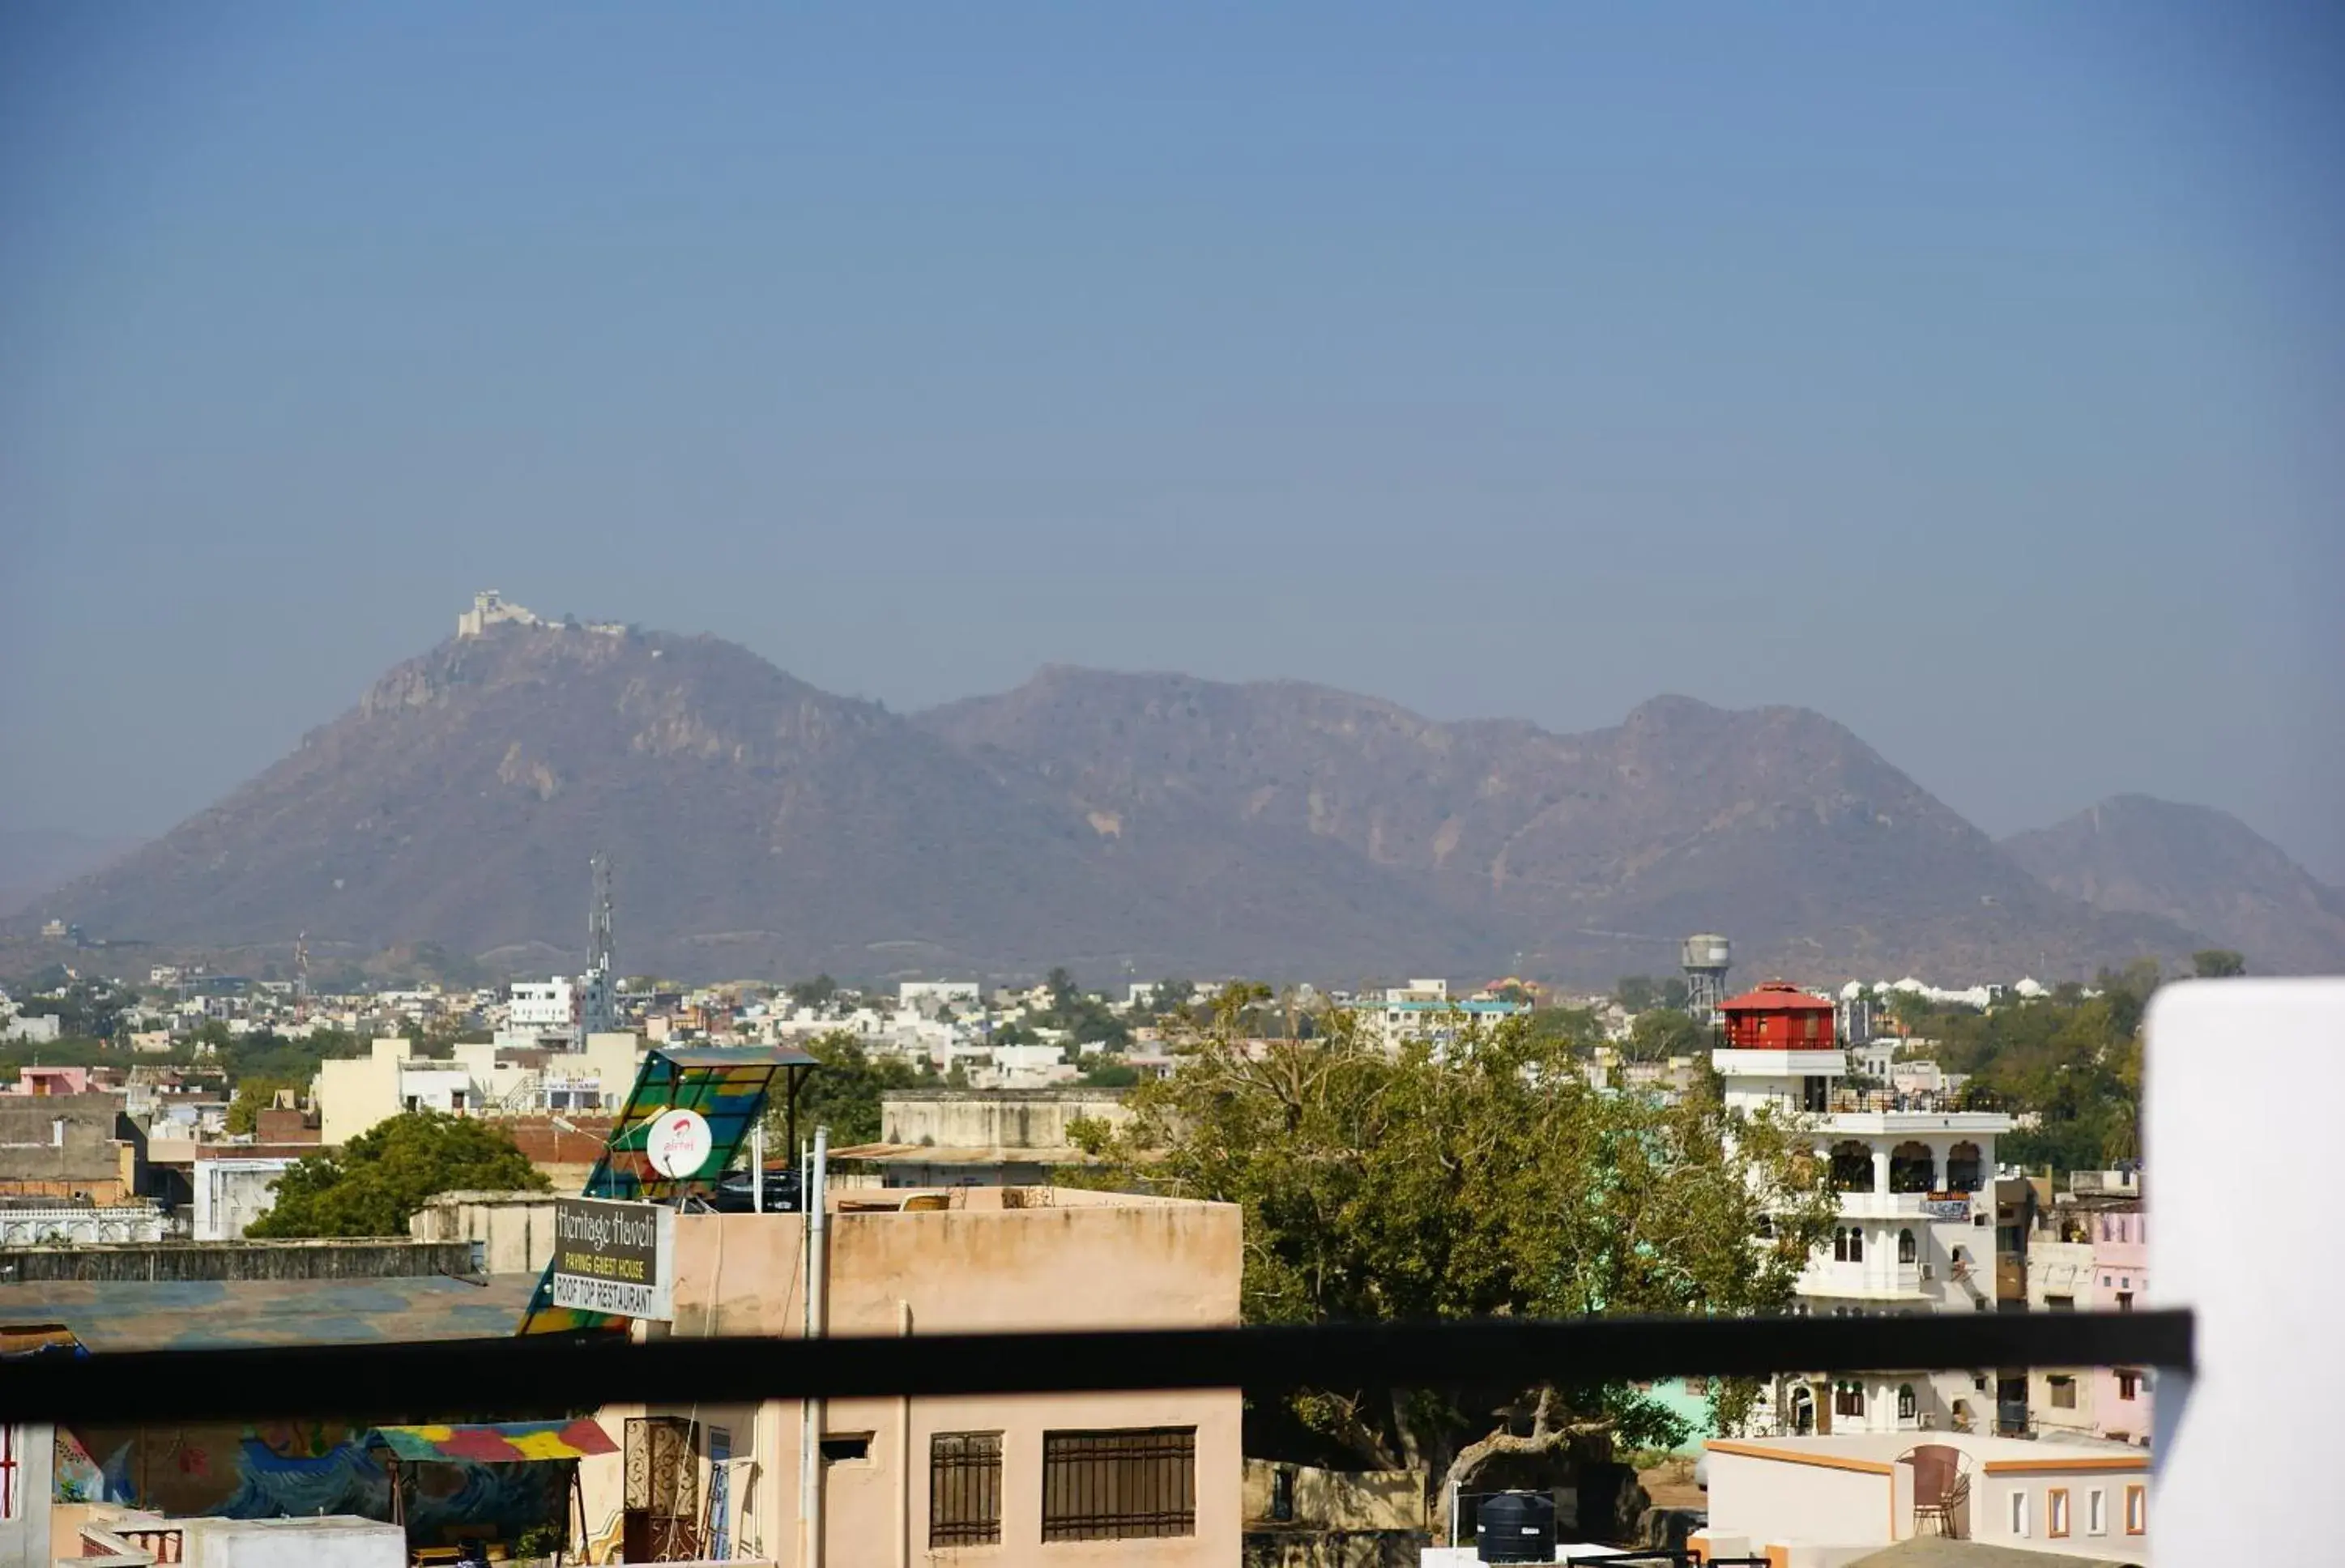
(678, 1143)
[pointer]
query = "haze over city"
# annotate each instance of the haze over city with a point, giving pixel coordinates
(1968, 378)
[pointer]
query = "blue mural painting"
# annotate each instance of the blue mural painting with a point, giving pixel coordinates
(305, 1468)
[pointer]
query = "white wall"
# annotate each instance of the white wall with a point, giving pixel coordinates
(2244, 1078)
(333, 1541)
(1773, 1500)
(231, 1194)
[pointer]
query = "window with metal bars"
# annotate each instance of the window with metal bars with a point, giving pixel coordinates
(1120, 1485)
(965, 1489)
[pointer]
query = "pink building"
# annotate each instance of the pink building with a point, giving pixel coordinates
(2120, 1277)
(50, 1081)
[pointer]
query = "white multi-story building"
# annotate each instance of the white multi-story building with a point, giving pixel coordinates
(542, 1006)
(1915, 1233)
(1425, 1011)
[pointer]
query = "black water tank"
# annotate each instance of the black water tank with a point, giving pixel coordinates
(1515, 1527)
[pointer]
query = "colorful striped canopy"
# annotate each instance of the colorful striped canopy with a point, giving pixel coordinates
(495, 1442)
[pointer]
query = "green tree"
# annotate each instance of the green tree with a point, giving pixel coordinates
(1635, 993)
(2216, 964)
(1170, 998)
(813, 993)
(1062, 988)
(1489, 1179)
(374, 1182)
(1576, 1028)
(253, 1095)
(843, 1093)
(1660, 1033)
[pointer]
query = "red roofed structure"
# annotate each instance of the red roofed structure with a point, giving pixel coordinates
(1777, 1017)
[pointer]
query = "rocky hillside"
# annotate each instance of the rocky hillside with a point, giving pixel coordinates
(1590, 853)
(1112, 823)
(2198, 867)
(756, 824)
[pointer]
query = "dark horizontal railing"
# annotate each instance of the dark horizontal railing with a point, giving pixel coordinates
(553, 1373)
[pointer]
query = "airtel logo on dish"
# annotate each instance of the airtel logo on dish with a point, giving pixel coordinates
(678, 1143)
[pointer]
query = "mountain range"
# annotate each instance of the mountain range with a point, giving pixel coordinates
(1143, 823)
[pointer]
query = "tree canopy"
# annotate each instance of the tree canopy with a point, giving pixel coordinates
(843, 1093)
(2072, 1061)
(2216, 964)
(1486, 1180)
(374, 1182)
(1660, 1033)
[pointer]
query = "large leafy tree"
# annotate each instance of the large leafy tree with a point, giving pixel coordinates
(374, 1182)
(843, 1093)
(1485, 1179)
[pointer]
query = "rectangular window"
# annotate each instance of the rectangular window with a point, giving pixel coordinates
(965, 1489)
(2128, 1383)
(2059, 1303)
(2096, 1513)
(846, 1448)
(2019, 1514)
(2063, 1392)
(2137, 1510)
(1120, 1485)
(2056, 1510)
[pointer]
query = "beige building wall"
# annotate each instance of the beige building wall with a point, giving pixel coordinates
(1012, 1118)
(514, 1230)
(353, 1094)
(997, 1259)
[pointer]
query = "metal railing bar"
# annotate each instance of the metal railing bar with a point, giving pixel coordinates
(549, 1373)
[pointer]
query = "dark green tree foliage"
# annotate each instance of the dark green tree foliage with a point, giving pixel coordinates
(267, 1055)
(2216, 964)
(2069, 1061)
(1637, 992)
(813, 993)
(89, 1007)
(843, 1093)
(253, 1095)
(374, 1182)
(1660, 1033)
(1489, 1179)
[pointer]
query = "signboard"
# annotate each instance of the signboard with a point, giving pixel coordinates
(678, 1143)
(616, 1257)
(1948, 1206)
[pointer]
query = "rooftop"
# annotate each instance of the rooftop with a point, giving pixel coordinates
(1878, 1451)
(220, 1314)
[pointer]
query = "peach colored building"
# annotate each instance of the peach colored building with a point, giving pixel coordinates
(1139, 1478)
(1827, 1502)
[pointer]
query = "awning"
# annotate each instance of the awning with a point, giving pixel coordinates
(494, 1443)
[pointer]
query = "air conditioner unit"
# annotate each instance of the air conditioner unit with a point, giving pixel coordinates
(1929, 1271)
(1926, 1420)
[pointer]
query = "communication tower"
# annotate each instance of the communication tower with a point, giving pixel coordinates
(1706, 959)
(595, 997)
(598, 918)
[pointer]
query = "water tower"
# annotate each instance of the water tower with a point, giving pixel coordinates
(1706, 959)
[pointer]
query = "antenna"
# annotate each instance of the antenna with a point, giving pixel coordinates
(301, 977)
(598, 919)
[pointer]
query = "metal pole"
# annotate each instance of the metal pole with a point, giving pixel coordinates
(757, 1166)
(817, 1315)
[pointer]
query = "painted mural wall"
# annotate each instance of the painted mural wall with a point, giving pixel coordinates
(281, 1469)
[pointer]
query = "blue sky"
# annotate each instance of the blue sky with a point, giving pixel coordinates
(1971, 375)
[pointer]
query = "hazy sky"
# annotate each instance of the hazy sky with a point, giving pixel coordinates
(1976, 377)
